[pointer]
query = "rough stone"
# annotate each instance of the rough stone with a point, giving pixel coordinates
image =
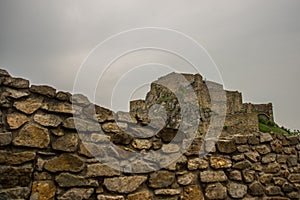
(80, 99)
(193, 192)
(187, 179)
(170, 148)
(266, 178)
(12, 177)
(141, 144)
(197, 163)
(216, 191)
(256, 189)
(125, 117)
(43, 190)
(65, 162)
(124, 185)
(5, 138)
(236, 190)
(16, 158)
(58, 132)
(243, 148)
(98, 169)
(81, 125)
(220, 163)
(195, 147)
(212, 176)
(253, 156)
(59, 107)
(276, 146)
(265, 137)
(273, 190)
(16, 94)
(16, 120)
(242, 165)
(16, 82)
(294, 178)
(107, 197)
(43, 90)
(32, 135)
(272, 168)
(121, 138)
(14, 193)
(248, 175)
(292, 161)
(3, 72)
(77, 194)
(111, 127)
(169, 192)
(161, 179)
(235, 175)
(71, 180)
(30, 105)
(144, 195)
(271, 157)
(263, 149)
(68, 142)
(226, 146)
(47, 119)
(63, 96)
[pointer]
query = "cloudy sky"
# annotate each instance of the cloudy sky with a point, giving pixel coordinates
(255, 44)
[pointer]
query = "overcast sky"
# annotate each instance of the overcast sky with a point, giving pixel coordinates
(255, 43)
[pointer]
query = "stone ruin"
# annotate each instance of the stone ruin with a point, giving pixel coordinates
(46, 152)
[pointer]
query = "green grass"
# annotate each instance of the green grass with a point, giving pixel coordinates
(267, 126)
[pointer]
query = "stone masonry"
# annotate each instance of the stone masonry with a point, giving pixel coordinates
(42, 156)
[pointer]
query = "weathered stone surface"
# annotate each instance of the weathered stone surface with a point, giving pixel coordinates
(276, 146)
(57, 132)
(65, 162)
(235, 175)
(16, 120)
(243, 148)
(98, 169)
(252, 156)
(272, 168)
(77, 194)
(292, 161)
(43, 90)
(265, 137)
(271, 157)
(3, 72)
(263, 149)
(16, 94)
(242, 165)
(29, 105)
(14, 193)
(43, 190)
(5, 138)
(279, 181)
(248, 175)
(144, 195)
(256, 189)
(121, 138)
(169, 192)
(68, 142)
(170, 148)
(15, 176)
(197, 163)
(80, 99)
(141, 144)
(266, 178)
(294, 178)
(226, 146)
(16, 82)
(193, 192)
(47, 119)
(81, 125)
(125, 184)
(107, 197)
(187, 179)
(220, 163)
(212, 176)
(63, 96)
(71, 180)
(195, 147)
(111, 127)
(16, 158)
(58, 107)
(236, 190)
(216, 191)
(273, 190)
(161, 179)
(32, 135)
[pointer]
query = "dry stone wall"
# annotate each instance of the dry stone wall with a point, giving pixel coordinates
(42, 156)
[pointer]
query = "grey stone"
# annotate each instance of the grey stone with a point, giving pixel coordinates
(226, 146)
(5, 138)
(161, 179)
(265, 137)
(168, 192)
(16, 94)
(125, 184)
(71, 180)
(107, 197)
(216, 191)
(256, 189)
(15, 193)
(98, 169)
(212, 176)
(77, 194)
(236, 190)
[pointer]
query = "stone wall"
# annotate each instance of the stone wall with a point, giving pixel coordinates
(42, 156)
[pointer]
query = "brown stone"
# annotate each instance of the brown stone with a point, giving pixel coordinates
(253, 156)
(15, 193)
(47, 119)
(111, 127)
(242, 165)
(294, 178)
(236, 190)
(43, 190)
(273, 190)
(216, 191)
(5, 138)
(12, 177)
(98, 169)
(43, 90)
(16, 94)
(266, 178)
(226, 146)
(29, 105)
(81, 125)
(107, 197)
(141, 144)
(195, 147)
(63, 96)
(235, 175)
(276, 146)
(16, 158)
(80, 99)
(125, 184)
(16, 120)
(77, 194)
(193, 192)
(265, 137)
(256, 189)
(161, 179)
(121, 138)
(67, 143)
(272, 168)
(65, 162)
(170, 148)
(58, 107)
(144, 195)
(248, 175)
(16, 82)
(197, 163)
(71, 180)
(220, 163)
(212, 176)
(168, 192)
(187, 179)
(263, 149)
(57, 132)
(3, 72)
(32, 135)
(271, 157)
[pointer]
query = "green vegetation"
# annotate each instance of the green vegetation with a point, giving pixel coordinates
(267, 126)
